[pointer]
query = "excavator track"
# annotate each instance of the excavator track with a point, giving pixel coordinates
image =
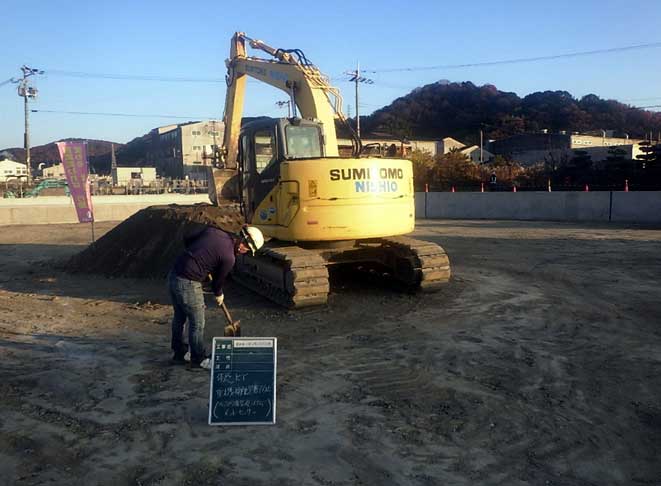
(429, 264)
(295, 277)
(288, 275)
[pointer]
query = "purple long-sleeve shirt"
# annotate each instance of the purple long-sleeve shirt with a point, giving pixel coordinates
(212, 252)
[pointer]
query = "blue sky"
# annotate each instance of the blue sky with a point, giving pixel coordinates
(191, 40)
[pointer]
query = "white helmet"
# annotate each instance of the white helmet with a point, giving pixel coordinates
(253, 238)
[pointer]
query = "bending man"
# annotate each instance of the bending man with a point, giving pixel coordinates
(211, 252)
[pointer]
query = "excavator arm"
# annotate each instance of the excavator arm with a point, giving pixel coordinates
(308, 89)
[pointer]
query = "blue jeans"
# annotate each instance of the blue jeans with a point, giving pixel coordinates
(188, 304)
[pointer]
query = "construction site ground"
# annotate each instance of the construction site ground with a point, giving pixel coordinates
(539, 363)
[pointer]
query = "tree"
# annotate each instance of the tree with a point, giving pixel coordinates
(581, 161)
(455, 169)
(553, 162)
(423, 163)
(649, 156)
(578, 170)
(616, 159)
(505, 168)
(616, 154)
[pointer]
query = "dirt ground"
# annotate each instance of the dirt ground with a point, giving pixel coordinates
(540, 363)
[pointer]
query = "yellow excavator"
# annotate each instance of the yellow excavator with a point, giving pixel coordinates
(319, 209)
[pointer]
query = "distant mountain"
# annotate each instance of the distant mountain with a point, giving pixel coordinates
(131, 154)
(97, 151)
(460, 110)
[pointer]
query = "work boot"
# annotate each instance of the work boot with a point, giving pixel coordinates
(205, 364)
(178, 359)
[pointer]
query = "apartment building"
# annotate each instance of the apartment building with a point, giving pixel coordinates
(535, 148)
(184, 150)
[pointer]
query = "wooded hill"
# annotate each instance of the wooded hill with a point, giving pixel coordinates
(460, 110)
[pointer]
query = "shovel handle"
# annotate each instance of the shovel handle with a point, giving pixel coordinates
(227, 313)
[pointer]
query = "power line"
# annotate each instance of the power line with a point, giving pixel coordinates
(133, 77)
(381, 84)
(518, 60)
(122, 114)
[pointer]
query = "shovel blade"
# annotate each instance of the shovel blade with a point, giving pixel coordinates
(233, 329)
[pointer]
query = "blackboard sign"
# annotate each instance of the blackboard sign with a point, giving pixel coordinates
(242, 388)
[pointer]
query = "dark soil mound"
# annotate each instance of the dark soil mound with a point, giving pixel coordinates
(147, 243)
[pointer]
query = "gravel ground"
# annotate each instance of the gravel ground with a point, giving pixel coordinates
(539, 363)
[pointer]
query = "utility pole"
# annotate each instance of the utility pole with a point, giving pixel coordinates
(283, 103)
(357, 110)
(113, 165)
(26, 91)
(356, 78)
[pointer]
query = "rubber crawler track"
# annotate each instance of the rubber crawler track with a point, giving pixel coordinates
(295, 277)
(431, 265)
(290, 276)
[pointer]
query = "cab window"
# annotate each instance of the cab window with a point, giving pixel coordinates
(303, 141)
(264, 149)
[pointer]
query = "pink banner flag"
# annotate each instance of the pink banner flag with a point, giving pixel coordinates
(76, 169)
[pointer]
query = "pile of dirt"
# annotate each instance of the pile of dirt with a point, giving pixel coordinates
(147, 243)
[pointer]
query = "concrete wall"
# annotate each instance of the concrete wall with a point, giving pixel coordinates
(640, 207)
(633, 207)
(60, 209)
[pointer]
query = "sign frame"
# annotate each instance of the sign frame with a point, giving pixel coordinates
(247, 340)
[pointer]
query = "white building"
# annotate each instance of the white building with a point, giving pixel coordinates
(601, 153)
(123, 176)
(578, 141)
(474, 153)
(54, 172)
(393, 147)
(447, 145)
(10, 170)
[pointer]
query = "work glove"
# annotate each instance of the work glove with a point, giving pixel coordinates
(220, 299)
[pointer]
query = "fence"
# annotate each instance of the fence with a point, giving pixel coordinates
(615, 206)
(101, 187)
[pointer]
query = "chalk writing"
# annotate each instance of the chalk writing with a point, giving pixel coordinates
(244, 391)
(243, 381)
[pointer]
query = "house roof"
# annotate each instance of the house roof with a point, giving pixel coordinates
(12, 162)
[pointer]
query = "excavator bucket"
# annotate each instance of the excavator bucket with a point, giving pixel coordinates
(223, 185)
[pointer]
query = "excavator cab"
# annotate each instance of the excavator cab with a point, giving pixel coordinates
(264, 145)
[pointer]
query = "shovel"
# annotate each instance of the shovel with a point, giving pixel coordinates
(233, 328)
